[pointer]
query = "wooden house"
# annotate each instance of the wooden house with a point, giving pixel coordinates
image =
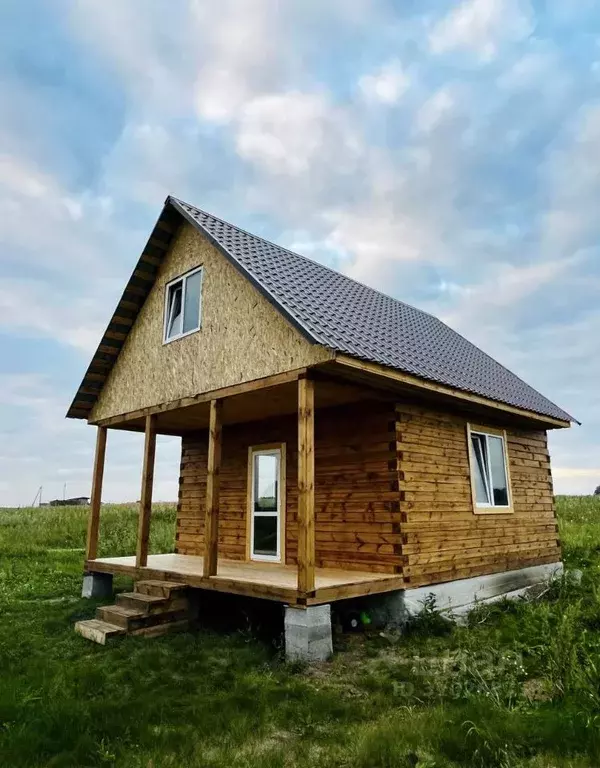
(336, 442)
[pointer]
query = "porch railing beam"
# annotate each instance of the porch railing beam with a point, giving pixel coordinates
(306, 485)
(211, 519)
(91, 546)
(141, 558)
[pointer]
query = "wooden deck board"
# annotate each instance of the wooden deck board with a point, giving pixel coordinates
(267, 580)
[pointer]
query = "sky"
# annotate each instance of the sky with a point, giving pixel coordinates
(447, 153)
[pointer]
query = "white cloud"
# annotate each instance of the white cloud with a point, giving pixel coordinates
(576, 472)
(478, 306)
(570, 223)
(288, 133)
(398, 214)
(387, 85)
(39, 447)
(134, 41)
(49, 225)
(29, 307)
(437, 108)
(241, 58)
(482, 26)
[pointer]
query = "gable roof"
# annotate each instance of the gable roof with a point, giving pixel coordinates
(328, 308)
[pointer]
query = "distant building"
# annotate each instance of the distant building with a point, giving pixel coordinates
(77, 501)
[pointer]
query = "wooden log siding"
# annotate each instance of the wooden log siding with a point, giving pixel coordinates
(392, 494)
(442, 539)
(357, 517)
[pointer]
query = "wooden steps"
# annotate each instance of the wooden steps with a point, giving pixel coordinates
(154, 608)
(97, 630)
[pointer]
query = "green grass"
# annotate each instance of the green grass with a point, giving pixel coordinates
(518, 686)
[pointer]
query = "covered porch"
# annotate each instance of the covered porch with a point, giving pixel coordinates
(270, 581)
(301, 583)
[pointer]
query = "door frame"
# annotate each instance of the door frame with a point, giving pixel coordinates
(253, 450)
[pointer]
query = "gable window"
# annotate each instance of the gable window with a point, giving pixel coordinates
(490, 478)
(266, 494)
(183, 305)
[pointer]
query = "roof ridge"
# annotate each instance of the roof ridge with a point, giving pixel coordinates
(306, 258)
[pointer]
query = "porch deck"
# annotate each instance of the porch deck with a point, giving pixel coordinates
(269, 581)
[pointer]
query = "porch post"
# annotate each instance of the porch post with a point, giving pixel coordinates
(306, 485)
(211, 519)
(91, 546)
(141, 558)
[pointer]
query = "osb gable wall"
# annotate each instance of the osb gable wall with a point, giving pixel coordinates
(442, 538)
(242, 337)
(357, 516)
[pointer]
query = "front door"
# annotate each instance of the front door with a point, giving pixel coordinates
(266, 504)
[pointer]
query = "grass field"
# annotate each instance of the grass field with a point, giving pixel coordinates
(519, 686)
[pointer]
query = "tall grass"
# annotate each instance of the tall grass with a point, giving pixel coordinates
(519, 685)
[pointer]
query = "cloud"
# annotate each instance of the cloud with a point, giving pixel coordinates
(39, 447)
(482, 26)
(39, 214)
(473, 192)
(439, 106)
(134, 44)
(28, 307)
(241, 57)
(505, 286)
(576, 472)
(289, 133)
(570, 223)
(387, 85)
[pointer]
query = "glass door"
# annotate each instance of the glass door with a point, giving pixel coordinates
(265, 526)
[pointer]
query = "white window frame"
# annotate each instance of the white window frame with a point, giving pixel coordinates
(481, 508)
(277, 449)
(181, 279)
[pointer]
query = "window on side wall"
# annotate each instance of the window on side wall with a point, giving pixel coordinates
(490, 478)
(183, 305)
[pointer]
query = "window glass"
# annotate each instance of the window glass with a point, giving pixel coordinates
(265, 535)
(498, 471)
(265, 483)
(191, 314)
(480, 469)
(174, 316)
(183, 305)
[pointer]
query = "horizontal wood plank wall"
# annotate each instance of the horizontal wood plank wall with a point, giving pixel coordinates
(356, 495)
(442, 539)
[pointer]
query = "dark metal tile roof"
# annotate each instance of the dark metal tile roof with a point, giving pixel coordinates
(349, 317)
(327, 307)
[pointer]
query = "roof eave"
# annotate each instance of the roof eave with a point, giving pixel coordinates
(132, 299)
(550, 422)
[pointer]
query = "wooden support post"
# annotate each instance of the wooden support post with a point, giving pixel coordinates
(91, 546)
(306, 485)
(211, 519)
(141, 559)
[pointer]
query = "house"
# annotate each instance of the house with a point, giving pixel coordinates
(336, 443)
(76, 501)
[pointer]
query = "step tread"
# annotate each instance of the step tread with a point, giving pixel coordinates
(122, 610)
(97, 630)
(143, 598)
(159, 583)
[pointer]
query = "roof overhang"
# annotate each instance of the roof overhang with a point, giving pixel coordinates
(136, 291)
(368, 371)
